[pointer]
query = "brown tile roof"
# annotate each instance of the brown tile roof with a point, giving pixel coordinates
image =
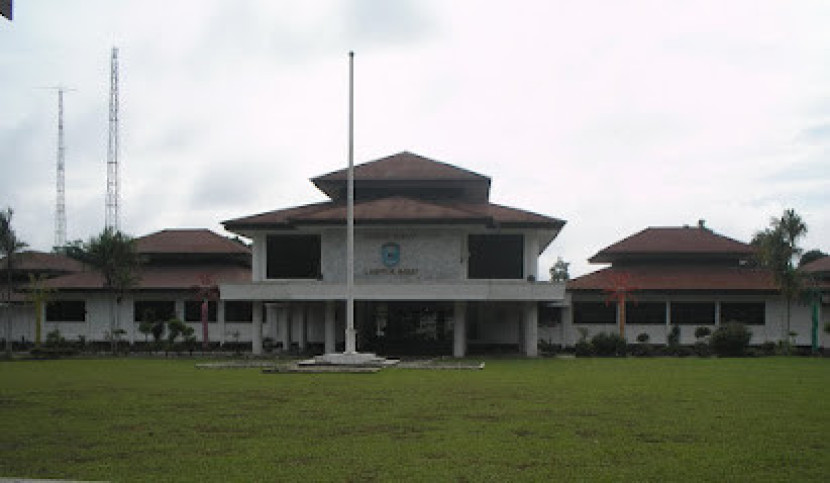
(156, 277)
(673, 241)
(190, 241)
(396, 209)
(17, 297)
(679, 278)
(404, 166)
(822, 265)
(33, 261)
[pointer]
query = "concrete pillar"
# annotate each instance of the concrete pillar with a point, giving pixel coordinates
(299, 321)
(531, 249)
(220, 320)
(329, 327)
(566, 325)
(459, 336)
(256, 329)
(717, 314)
(283, 327)
(259, 260)
(125, 315)
(178, 308)
(270, 329)
(531, 329)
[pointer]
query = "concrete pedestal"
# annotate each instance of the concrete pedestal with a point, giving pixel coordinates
(356, 359)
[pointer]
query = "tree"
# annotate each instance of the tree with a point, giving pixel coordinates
(619, 291)
(777, 248)
(9, 246)
(207, 291)
(559, 271)
(113, 255)
(38, 296)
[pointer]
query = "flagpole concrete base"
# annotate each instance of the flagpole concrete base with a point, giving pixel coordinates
(357, 359)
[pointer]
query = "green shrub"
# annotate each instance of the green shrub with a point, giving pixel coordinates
(643, 338)
(730, 340)
(673, 339)
(52, 352)
(702, 349)
(767, 348)
(146, 328)
(642, 350)
(55, 339)
(583, 348)
(702, 332)
(547, 348)
(608, 344)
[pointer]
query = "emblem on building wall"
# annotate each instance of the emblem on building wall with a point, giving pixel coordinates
(390, 254)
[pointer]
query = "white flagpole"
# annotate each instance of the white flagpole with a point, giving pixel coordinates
(351, 346)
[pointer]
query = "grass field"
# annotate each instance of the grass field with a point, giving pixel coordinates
(762, 419)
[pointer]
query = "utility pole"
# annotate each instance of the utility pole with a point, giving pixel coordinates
(351, 346)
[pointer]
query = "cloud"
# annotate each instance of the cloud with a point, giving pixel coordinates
(612, 116)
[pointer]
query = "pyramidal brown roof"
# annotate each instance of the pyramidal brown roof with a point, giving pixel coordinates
(822, 265)
(662, 241)
(396, 209)
(194, 241)
(33, 261)
(406, 174)
(404, 166)
(678, 277)
(157, 277)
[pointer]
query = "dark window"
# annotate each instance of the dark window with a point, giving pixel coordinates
(752, 313)
(645, 313)
(693, 313)
(496, 256)
(193, 311)
(293, 256)
(154, 310)
(239, 311)
(595, 313)
(66, 311)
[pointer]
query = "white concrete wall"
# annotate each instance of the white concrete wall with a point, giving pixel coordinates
(427, 253)
(22, 320)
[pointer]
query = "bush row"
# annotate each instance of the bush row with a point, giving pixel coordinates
(728, 340)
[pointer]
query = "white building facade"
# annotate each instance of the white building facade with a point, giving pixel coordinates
(438, 268)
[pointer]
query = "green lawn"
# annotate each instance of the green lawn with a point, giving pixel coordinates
(692, 419)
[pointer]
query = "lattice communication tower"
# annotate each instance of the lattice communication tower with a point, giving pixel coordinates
(60, 201)
(111, 217)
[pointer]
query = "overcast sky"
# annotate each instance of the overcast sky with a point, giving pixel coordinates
(612, 115)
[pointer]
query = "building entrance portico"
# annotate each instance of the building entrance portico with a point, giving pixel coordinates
(405, 328)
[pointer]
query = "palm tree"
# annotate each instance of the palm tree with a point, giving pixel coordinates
(620, 291)
(113, 255)
(777, 250)
(38, 296)
(9, 245)
(207, 291)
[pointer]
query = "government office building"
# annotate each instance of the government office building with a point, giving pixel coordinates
(439, 269)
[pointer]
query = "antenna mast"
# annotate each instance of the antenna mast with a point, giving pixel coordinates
(111, 217)
(60, 204)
